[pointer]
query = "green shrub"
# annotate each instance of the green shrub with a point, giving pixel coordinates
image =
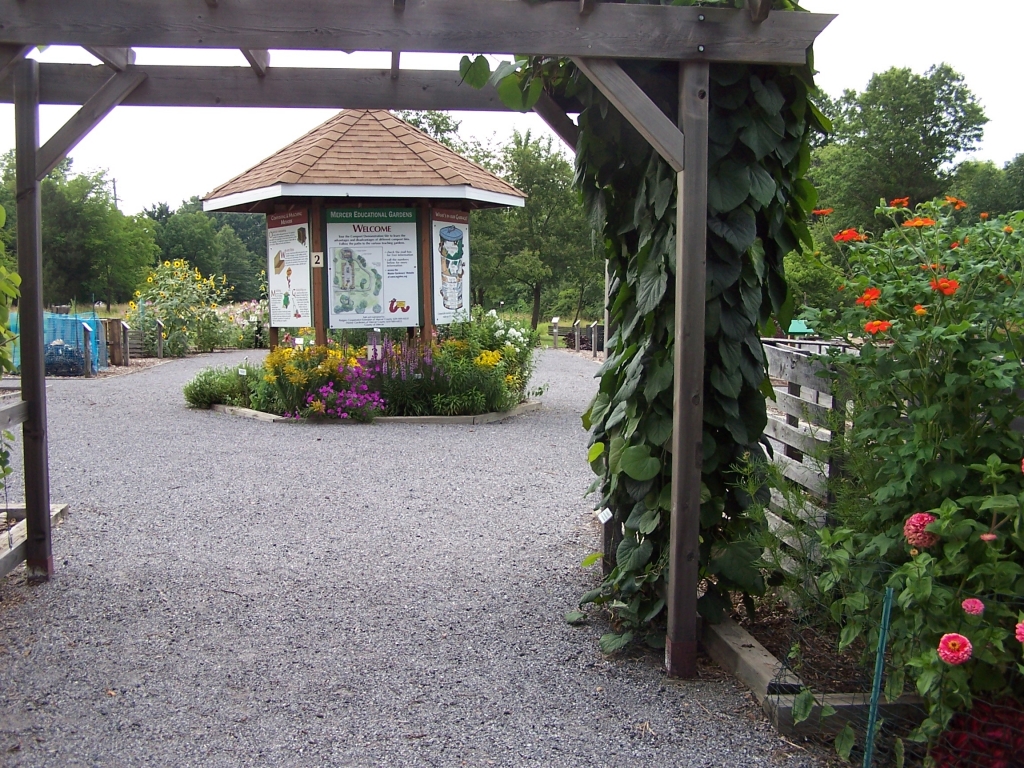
(223, 386)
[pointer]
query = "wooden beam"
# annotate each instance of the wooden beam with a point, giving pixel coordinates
(399, 5)
(259, 60)
(396, 57)
(14, 556)
(10, 55)
(688, 396)
(636, 106)
(112, 93)
(557, 120)
(587, 7)
(282, 87)
(13, 415)
(38, 547)
(759, 10)
(617, 30)
(118, 59)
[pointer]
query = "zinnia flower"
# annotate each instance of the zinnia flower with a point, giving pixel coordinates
(849, 236)
(945, 285)
(973, 606)
(919, 221)
(1019, 633)
(869, 297)
(984, 216)
(822, 211)
(914, 530)
(954, 245)
(955, 649)
(988, 536)
(877, 326)
(958, 205)
(919, 310)
(899, 202)
(1008, 230)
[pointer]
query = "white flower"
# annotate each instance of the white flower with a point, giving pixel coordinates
(492, 313)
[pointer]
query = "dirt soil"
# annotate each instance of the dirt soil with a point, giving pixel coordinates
(817, 662)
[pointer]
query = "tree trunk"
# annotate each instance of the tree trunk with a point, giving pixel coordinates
(536, 306)
(480, 296)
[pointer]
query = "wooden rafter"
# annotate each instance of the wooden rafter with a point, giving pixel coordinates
(112, 93)
(587, 7)
(259, 60)
(636, 106)
(557, 120)
(167, 86)
(617, 30)
(118, 59)
(10, 55)
(396, 59)
(759, 10)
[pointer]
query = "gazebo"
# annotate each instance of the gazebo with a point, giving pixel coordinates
(379, 204)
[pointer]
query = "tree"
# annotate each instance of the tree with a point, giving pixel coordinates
(120, 267)
(896, 139)
(237, 264)
(192, 237)
(1015, 182)
(983, 186)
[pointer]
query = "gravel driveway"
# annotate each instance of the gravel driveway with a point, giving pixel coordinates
(238, 593)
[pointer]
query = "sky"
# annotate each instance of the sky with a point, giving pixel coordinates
(168, 155)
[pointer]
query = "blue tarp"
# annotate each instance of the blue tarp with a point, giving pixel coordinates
(69, 330)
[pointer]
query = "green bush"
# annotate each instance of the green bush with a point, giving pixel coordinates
(223, 386)
(932, 496)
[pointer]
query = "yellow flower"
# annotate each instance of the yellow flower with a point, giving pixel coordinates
(167, 263)
(149, 279)
(317, 406)
(488, 358)
(138, 293)
(131, 305)
(177, 263)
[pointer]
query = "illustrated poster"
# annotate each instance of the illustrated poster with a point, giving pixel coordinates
(288, 278)
(373, 269)
(450, 243)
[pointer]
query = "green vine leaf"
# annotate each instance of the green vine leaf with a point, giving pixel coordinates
(803, 705)
(575, 618)
(638, 463)
(844, 742)
(612, 642)
(650, 286)
(475, 72)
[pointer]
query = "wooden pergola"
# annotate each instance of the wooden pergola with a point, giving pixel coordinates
(594, 34)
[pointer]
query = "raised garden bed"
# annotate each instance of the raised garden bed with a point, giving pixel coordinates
(483, 418)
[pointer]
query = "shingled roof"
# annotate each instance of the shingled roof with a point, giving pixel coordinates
(365, 153)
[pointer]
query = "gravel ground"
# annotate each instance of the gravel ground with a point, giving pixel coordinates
(237, 593)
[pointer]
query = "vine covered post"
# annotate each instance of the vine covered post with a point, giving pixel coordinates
(688, 397)
(38, 552)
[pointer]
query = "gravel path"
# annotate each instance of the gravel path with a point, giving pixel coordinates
(237, 593)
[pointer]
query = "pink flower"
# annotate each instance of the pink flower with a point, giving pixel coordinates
(973, 606)
(914, 530)
(988, 537)
(1020, 632)
(955, 649)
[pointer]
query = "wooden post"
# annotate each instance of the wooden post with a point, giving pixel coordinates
(126, 350)
(554, 333)
(316, 242)
(688, 398)
(38, 548)
(274, 337)
(593, 339)
(427, 271)
(89, 371)
(159, 339)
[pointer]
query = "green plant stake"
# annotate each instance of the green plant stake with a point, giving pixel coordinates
(876, 684)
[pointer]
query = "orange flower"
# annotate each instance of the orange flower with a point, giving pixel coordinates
(877, 326)
(1008, 230)
(842, 287)
(984, 216)
(957, 203)
(933, 267)
(919, 310)
(899, 202)
(822, 211)
(954, 245)
(849, 236)
(869, 297)
(919, 221)
(945, 285)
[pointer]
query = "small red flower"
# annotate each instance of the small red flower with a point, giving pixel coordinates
(869, 297)
(849, 236)
(984, 216)
(958, 205)
(914, 530)
(823, 211)
(877, 326)
(955, 649)
(899, 202)
(933, 267)
(973, 606)
(954, 245)
(1008, 230)
(920, 310)
(945, 285)
(988, 536)
(919, 221)
(842, 288)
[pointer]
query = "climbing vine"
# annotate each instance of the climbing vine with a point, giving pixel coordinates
(761, 119)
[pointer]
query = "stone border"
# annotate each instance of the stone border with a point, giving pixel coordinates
(15, 556)
(483, 418)
(775, 688)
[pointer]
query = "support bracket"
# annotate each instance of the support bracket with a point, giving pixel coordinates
(259, 60)
(557, 120)
(10, 55)
(118, 59)
(636, 106)
(112, 93)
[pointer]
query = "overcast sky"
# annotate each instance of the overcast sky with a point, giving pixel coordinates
(167, 155)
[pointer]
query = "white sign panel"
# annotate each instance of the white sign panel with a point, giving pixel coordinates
(372, 268)
(288, 270)
(450, 243)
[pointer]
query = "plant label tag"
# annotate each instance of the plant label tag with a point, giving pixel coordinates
(299, 341)
(318, 259)
(604, 515)
(242, 372)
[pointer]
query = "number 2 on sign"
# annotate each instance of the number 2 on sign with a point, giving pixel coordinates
(318, 258)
